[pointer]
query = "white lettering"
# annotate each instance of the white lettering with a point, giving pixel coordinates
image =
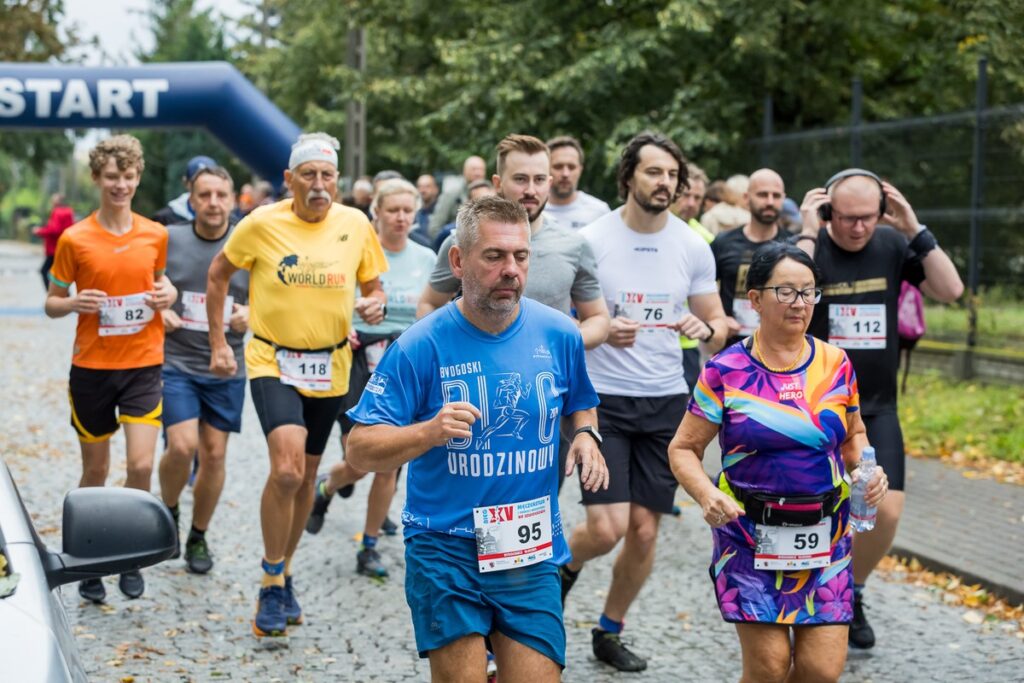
(474, 465)
(488, 464)
(531, 465)
(501, 464)
(114, 94)
(76, 100)
(12, 102)
(44, 89)
(452, 467)
(520, 461)
(462, 465)
(150, 89)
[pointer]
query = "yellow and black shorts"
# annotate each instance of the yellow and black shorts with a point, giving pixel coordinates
(100, 399)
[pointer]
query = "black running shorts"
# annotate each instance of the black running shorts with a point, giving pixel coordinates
(636, 433)
(279, 404)
(885, 435)
(100, 399)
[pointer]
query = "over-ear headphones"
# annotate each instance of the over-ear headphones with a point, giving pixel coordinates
(825, 210)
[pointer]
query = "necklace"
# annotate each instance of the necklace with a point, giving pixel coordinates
(760, 354)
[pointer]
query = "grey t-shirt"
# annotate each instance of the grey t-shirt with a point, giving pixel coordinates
(582, 212)
(188, 261)
(562, 268)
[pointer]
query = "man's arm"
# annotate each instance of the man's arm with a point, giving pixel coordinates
(706, 315)
(808, 237)
(384, 447)
(430, 301)
(60, 303)
(586, 453)
(594, 321)
(442, 284)
(222, 358)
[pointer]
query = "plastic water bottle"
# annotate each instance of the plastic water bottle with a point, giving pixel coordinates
(862, 515)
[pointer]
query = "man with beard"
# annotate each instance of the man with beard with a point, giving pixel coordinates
(568, 205)
(476, 418)
(658, 276)
(734, 249)
(305, 256)
(564, 273)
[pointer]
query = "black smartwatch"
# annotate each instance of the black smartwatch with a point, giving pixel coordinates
(384, 310)
(589, 429)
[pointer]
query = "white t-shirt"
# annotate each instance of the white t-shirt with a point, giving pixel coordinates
(584, 210)
(648, 278)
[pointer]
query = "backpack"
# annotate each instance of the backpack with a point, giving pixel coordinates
(910, 325)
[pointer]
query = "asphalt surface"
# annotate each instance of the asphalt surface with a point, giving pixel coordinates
(196, 628)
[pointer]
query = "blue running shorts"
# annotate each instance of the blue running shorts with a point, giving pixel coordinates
(450, 599)
(217, 402)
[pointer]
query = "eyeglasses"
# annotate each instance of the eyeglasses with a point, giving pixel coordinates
(850, 221)
(788, 295)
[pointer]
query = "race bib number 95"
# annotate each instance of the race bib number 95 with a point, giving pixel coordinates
(513, 535)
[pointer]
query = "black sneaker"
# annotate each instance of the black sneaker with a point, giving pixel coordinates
(132, 584)
(92, 590)
(568, 580)
(197, 556)
(320, 504)
(346, 491)
(861, 634)
(368, 563)
(388, 528)
(609, 649)
(176, 514)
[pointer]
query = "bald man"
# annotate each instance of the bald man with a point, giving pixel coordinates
(733, 249)
(473, 168)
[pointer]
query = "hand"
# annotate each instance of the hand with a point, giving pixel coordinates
(88, 301)
(693, 327)
(622, 334)
(454, 421)
(222, 361)
(353, 340)
(878, 487)
(593, 470)
(370, 309)
(172, 321)
(239, 321)
(162, 295)
(813, 200)
(898, 213)
(718, 508)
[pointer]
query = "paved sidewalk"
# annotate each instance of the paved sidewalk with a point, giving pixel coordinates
(189, 628)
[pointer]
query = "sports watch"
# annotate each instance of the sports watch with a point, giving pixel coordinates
(591, 430)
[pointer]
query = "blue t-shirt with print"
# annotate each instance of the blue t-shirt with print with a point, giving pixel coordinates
(522, 381)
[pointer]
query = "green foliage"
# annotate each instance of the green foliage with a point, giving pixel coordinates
(940, 417)
(444, 80)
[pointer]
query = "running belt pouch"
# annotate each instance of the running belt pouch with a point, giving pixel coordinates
(773, 510)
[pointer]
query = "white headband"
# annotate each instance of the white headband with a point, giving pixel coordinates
(314, 147)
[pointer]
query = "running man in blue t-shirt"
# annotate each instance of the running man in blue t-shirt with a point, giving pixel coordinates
(471, 397)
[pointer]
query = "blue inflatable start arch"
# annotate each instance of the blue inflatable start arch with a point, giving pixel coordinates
(210, 95)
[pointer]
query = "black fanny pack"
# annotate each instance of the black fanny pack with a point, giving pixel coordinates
(774, 510)
(278, 347)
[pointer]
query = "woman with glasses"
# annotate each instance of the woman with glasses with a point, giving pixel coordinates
(785, 408)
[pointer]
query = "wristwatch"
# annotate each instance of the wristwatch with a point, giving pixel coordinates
(591, 430)
(384, 310)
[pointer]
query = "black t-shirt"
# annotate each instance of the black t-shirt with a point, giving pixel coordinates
(733, 253)
(855, 285)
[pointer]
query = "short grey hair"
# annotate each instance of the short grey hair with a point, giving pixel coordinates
(392, 187)
(492, 208)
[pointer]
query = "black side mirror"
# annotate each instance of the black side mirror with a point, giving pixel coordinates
(110, 531)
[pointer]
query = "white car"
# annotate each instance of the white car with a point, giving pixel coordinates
(105, 531)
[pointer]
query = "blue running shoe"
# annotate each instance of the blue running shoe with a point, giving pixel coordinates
(270, 619)
(292, 610)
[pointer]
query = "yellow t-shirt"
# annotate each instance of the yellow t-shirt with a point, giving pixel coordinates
(303, 282)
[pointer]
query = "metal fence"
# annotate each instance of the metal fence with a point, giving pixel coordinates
(963, 173)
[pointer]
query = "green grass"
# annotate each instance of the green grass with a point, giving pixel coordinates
(941, 417)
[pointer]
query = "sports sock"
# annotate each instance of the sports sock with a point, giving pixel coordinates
(196, 534)
(273, 573)
(369, 541)
(610, 625)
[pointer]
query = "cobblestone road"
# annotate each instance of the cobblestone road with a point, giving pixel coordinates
(189, 628)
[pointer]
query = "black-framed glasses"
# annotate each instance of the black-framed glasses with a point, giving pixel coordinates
(787, 295)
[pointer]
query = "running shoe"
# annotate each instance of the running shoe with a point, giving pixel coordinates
(92, 590)
(368, 563)
(292, 610)
(132, 584)
(197, 556)
(388, 528)
(861, 634)
(609, 649)
(320, 503)
(270, 619)
(568, 580)
(176, 514)
(346, 491)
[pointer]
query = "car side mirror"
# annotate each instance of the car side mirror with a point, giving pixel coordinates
(110, 531)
